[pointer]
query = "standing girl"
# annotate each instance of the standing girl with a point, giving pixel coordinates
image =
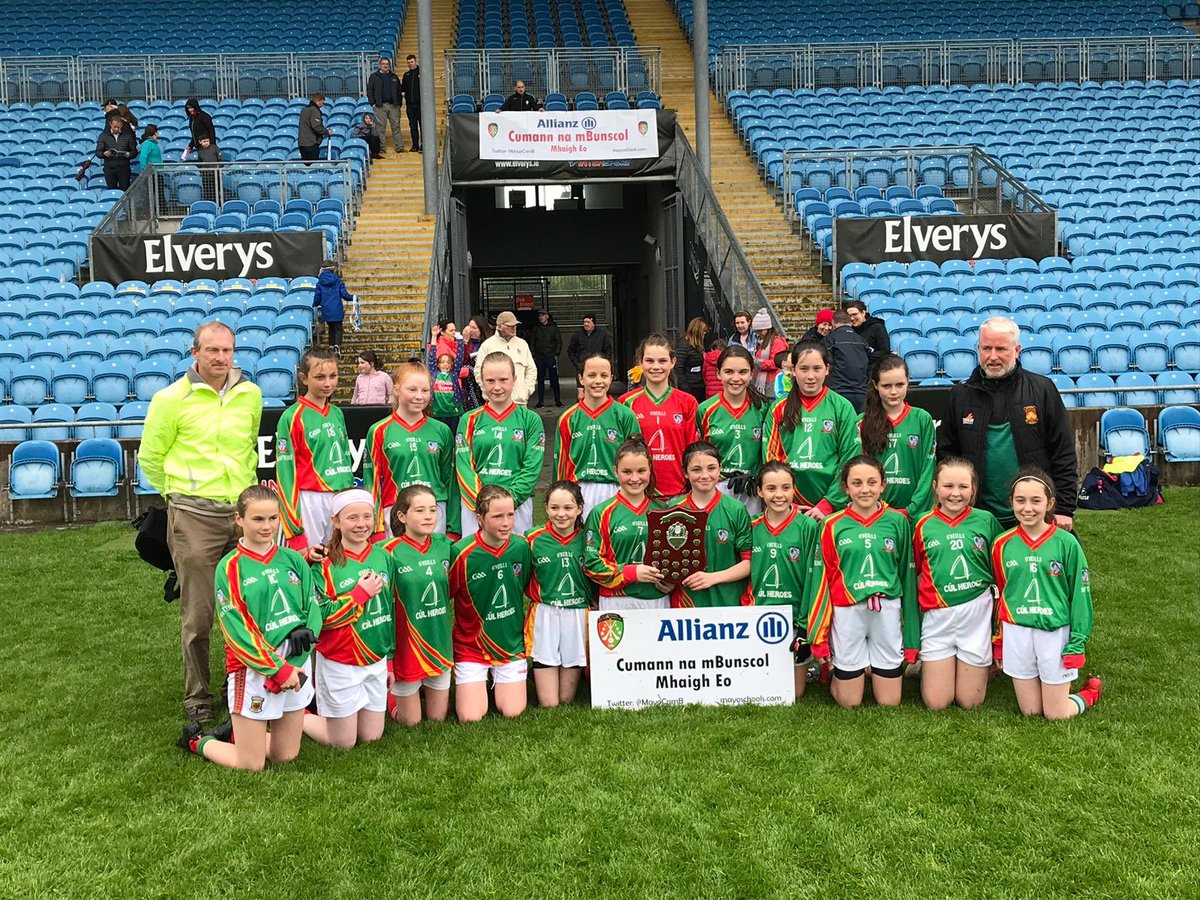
(488, 578)
(355, 580)
(150, 153)
(372, 386)
(501, 443)
(447, 393)
(424, 650)
(589, 433)
(952, 548)
(1045, 605)
(560, 594)
(783, 543)
(313, 460)
(667, 415)
(900, 436)
(409, 447)
(270, 615)
(813, 430)
(864, 589)
(732, 421)
(726, 535)
(616, 538)
(770, 342)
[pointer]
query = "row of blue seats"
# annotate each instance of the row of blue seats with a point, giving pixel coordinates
(1124, 431)
(26, 301)
(49, 334)
(257, 338)
(1020, 265)
(131, 411)
(555, 23)
(1171, 310)
(1018, 284)
(269, 287)
(96, 470)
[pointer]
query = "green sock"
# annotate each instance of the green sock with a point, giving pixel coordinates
(200, 744)
(1080, 702)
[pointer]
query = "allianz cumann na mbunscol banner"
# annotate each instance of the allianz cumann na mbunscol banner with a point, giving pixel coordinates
(591, 134)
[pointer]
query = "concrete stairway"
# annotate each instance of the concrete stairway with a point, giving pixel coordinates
(387, 263)
(777, 255)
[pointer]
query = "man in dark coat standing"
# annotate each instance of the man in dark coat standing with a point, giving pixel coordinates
(519, 101)
(588, 340)
(385, 96)
(546, 344)
(849, 362)
(117, 147)
(410, 86)
(1004, 417)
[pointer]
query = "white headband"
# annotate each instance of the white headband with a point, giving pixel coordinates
(355, 495)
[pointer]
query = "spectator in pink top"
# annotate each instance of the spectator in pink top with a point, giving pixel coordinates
(373, 386)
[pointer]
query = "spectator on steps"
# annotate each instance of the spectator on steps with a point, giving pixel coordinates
(742, 333)
(768, 343)
(312, 129)
(373, 386)
(849, 361)
(329, 296)
(519, 101)
(870, 328)
(117, 147)
(474, 333)
(201, 123)
(150, 154)
(712, 382)
(546, 343)
(366, 131)
(385, 96)
(410, 86)
(821, 327)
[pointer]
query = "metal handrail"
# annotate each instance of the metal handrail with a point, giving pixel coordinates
(438, 291)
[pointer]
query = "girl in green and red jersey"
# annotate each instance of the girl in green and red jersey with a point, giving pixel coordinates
(814, 430)
(952, 548)
(900, 436)
(732, 421)
(409, 447)
(488, 578)
(667, 415)
(312, 457)
(560, 594)
(864, 606)
(726, 535)
(783, 542)
(355, 580)
(589, 433)
(424, 650)
(501, 443)
(1045, 604)
(616, 538)
(270, 615)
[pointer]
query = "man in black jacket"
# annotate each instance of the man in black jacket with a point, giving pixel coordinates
(1003, 417)
(410, 86)
(116, 146)
(385, 96)
(588, 340)
(849, 360)
(870, 328)
(546, 344)
(201, 123)
(519, 101)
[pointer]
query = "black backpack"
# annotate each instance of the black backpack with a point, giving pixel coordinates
(151, 545)
(1100, 490)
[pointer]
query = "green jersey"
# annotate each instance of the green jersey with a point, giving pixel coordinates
(586, 441)
(558, 576)
(825, 438)
(1044, 583)
(358, 629)
(398, 455)
(781, 561)
(445, 403)
(499, 448)
(858, 557)
(726, 543)
(260, 600)
(736, 433)
(312, 453)
(422, 590)
(909, 461)
(953, 556)
(616, 546)
(488, 585)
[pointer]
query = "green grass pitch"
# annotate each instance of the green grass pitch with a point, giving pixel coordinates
(96, 801)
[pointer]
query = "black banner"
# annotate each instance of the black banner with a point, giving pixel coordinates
(907, 239)
(184, 257)
(466, 166)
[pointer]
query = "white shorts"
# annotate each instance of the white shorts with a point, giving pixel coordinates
(596, 493)
(343, 690)
(963, 631)
(859, 638)
(753, 504)
(316, 514)
(524, 519)
(559, 636)
(503, 673)
(249, 698)
(620, 604)
(1033, 653)
(433, 683)
(440, 527)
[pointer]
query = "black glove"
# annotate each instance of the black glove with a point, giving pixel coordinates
(742, 483)
(299, 641)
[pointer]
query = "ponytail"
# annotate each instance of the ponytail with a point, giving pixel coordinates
(876, 428)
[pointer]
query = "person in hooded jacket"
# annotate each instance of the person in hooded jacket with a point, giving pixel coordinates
(201, 124)
(870, 328)
(329, 294)
(545, 340)
(312, 130)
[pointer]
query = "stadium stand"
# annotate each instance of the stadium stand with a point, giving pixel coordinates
(492, 24)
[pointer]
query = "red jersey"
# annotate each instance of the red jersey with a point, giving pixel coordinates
(669, 424)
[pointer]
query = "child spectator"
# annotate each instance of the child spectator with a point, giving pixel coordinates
(150, 153)
(712, 384)
(329, 294)
(447, 393)
(373, 386)
(783, 378)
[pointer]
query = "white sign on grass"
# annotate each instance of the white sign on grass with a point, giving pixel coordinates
(738, 654)
(592, 134)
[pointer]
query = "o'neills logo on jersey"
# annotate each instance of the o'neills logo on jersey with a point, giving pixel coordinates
(189, 256)
(907, 234)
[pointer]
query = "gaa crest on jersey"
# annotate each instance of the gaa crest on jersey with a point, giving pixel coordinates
(889, 545)
(281, 445)
(256, 704)
(1055, 568)
(224, 600)
(445, 565)
(1031, 416)
(459, 440)
(678, 417)
(793, 553)
(912, 440)
(610, 628)
(518, 568)
(293, 578)
(518, 434)
(979, 542)
(827, 426)
(433, 446)
(611, 434)
(758, 434)
(722, 536)
(1085, 577)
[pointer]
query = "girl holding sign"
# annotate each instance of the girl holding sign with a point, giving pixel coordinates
(667, 415)
(560, 594)
(407, 448)
(732, 421)
(813, 430)
(899, 436)
(424, 651)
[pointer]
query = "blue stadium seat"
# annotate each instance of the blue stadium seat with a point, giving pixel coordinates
(276, 377)
(72, 382)
(1037, 354)
(134, 409)
(1179, 433)
(958, 358)
(53, 413)
(150, 376)
(29, 383)
(1123, 432)
(1184, 347)
(1150, 352)
(1177, 387)
(1065, 383)
(922, 358)
(1101, 390)
(1072, 354)
(97, 468)
(95, 412)
(1136, 397)
(1111, 353)
(34, 471)
(15, 415)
